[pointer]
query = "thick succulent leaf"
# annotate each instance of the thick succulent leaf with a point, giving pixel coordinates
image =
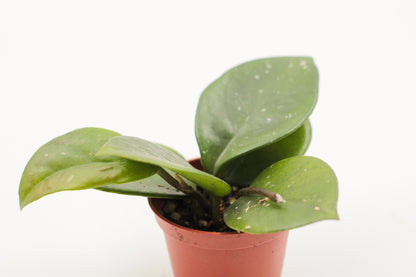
(244, 169)
(153, 186)
(309, 187)
(68, 163)
(253, 105)
(88, 176)
(147, 152)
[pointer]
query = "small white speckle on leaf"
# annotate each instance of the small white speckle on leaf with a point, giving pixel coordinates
(70, 178)
(303, 64)
(248, 227)
(263, 110)
(239, 108)
(291, 65)
(63, 153)
(46, 154)
(263, 200)
(105, 168)
(305, 169)
(238, 218)
(266, 71)
(268, 119)
(288, 116)
(268, 66)
(260, 91)
(256, 77)
(316, 208)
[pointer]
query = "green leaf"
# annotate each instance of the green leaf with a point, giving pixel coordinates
(244, 169)
(68, 162)
(309, 187)
(153, 186)
(253, 105)
(147, 152)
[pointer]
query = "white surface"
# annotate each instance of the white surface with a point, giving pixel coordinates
(138, 67)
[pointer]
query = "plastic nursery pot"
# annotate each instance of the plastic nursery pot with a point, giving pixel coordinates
(195, 253)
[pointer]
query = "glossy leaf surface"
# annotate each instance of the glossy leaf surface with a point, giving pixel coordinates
(147, 152)
(153, 186)
(244, 169)
(309, 187)
(68, 162)
(253, 105)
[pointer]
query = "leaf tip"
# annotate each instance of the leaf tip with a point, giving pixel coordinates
(22, 204)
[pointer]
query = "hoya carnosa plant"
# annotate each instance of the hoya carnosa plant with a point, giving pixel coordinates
(252, 129)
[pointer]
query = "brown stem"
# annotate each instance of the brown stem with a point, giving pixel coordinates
(275, 197)
(215, 210)
(180, 184)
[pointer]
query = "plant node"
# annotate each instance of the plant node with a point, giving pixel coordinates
(177, 182)
(275, 197)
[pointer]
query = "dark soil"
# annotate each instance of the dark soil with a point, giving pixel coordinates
(188, 213)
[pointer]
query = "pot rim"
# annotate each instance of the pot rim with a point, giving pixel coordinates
(211, 240)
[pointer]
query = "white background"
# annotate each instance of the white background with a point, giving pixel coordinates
(138, 67)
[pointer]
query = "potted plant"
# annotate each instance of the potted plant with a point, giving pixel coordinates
(228, 213)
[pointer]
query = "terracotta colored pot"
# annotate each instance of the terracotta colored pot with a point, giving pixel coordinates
(195, 253)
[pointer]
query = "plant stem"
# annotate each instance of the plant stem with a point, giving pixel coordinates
(215, 208)
(275, 197)
(178, 183)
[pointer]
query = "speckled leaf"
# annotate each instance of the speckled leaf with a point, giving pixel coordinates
(253, 105)
(243, 169)
(153, 186)
(147, 152)
(68, 163)
(309, 187)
